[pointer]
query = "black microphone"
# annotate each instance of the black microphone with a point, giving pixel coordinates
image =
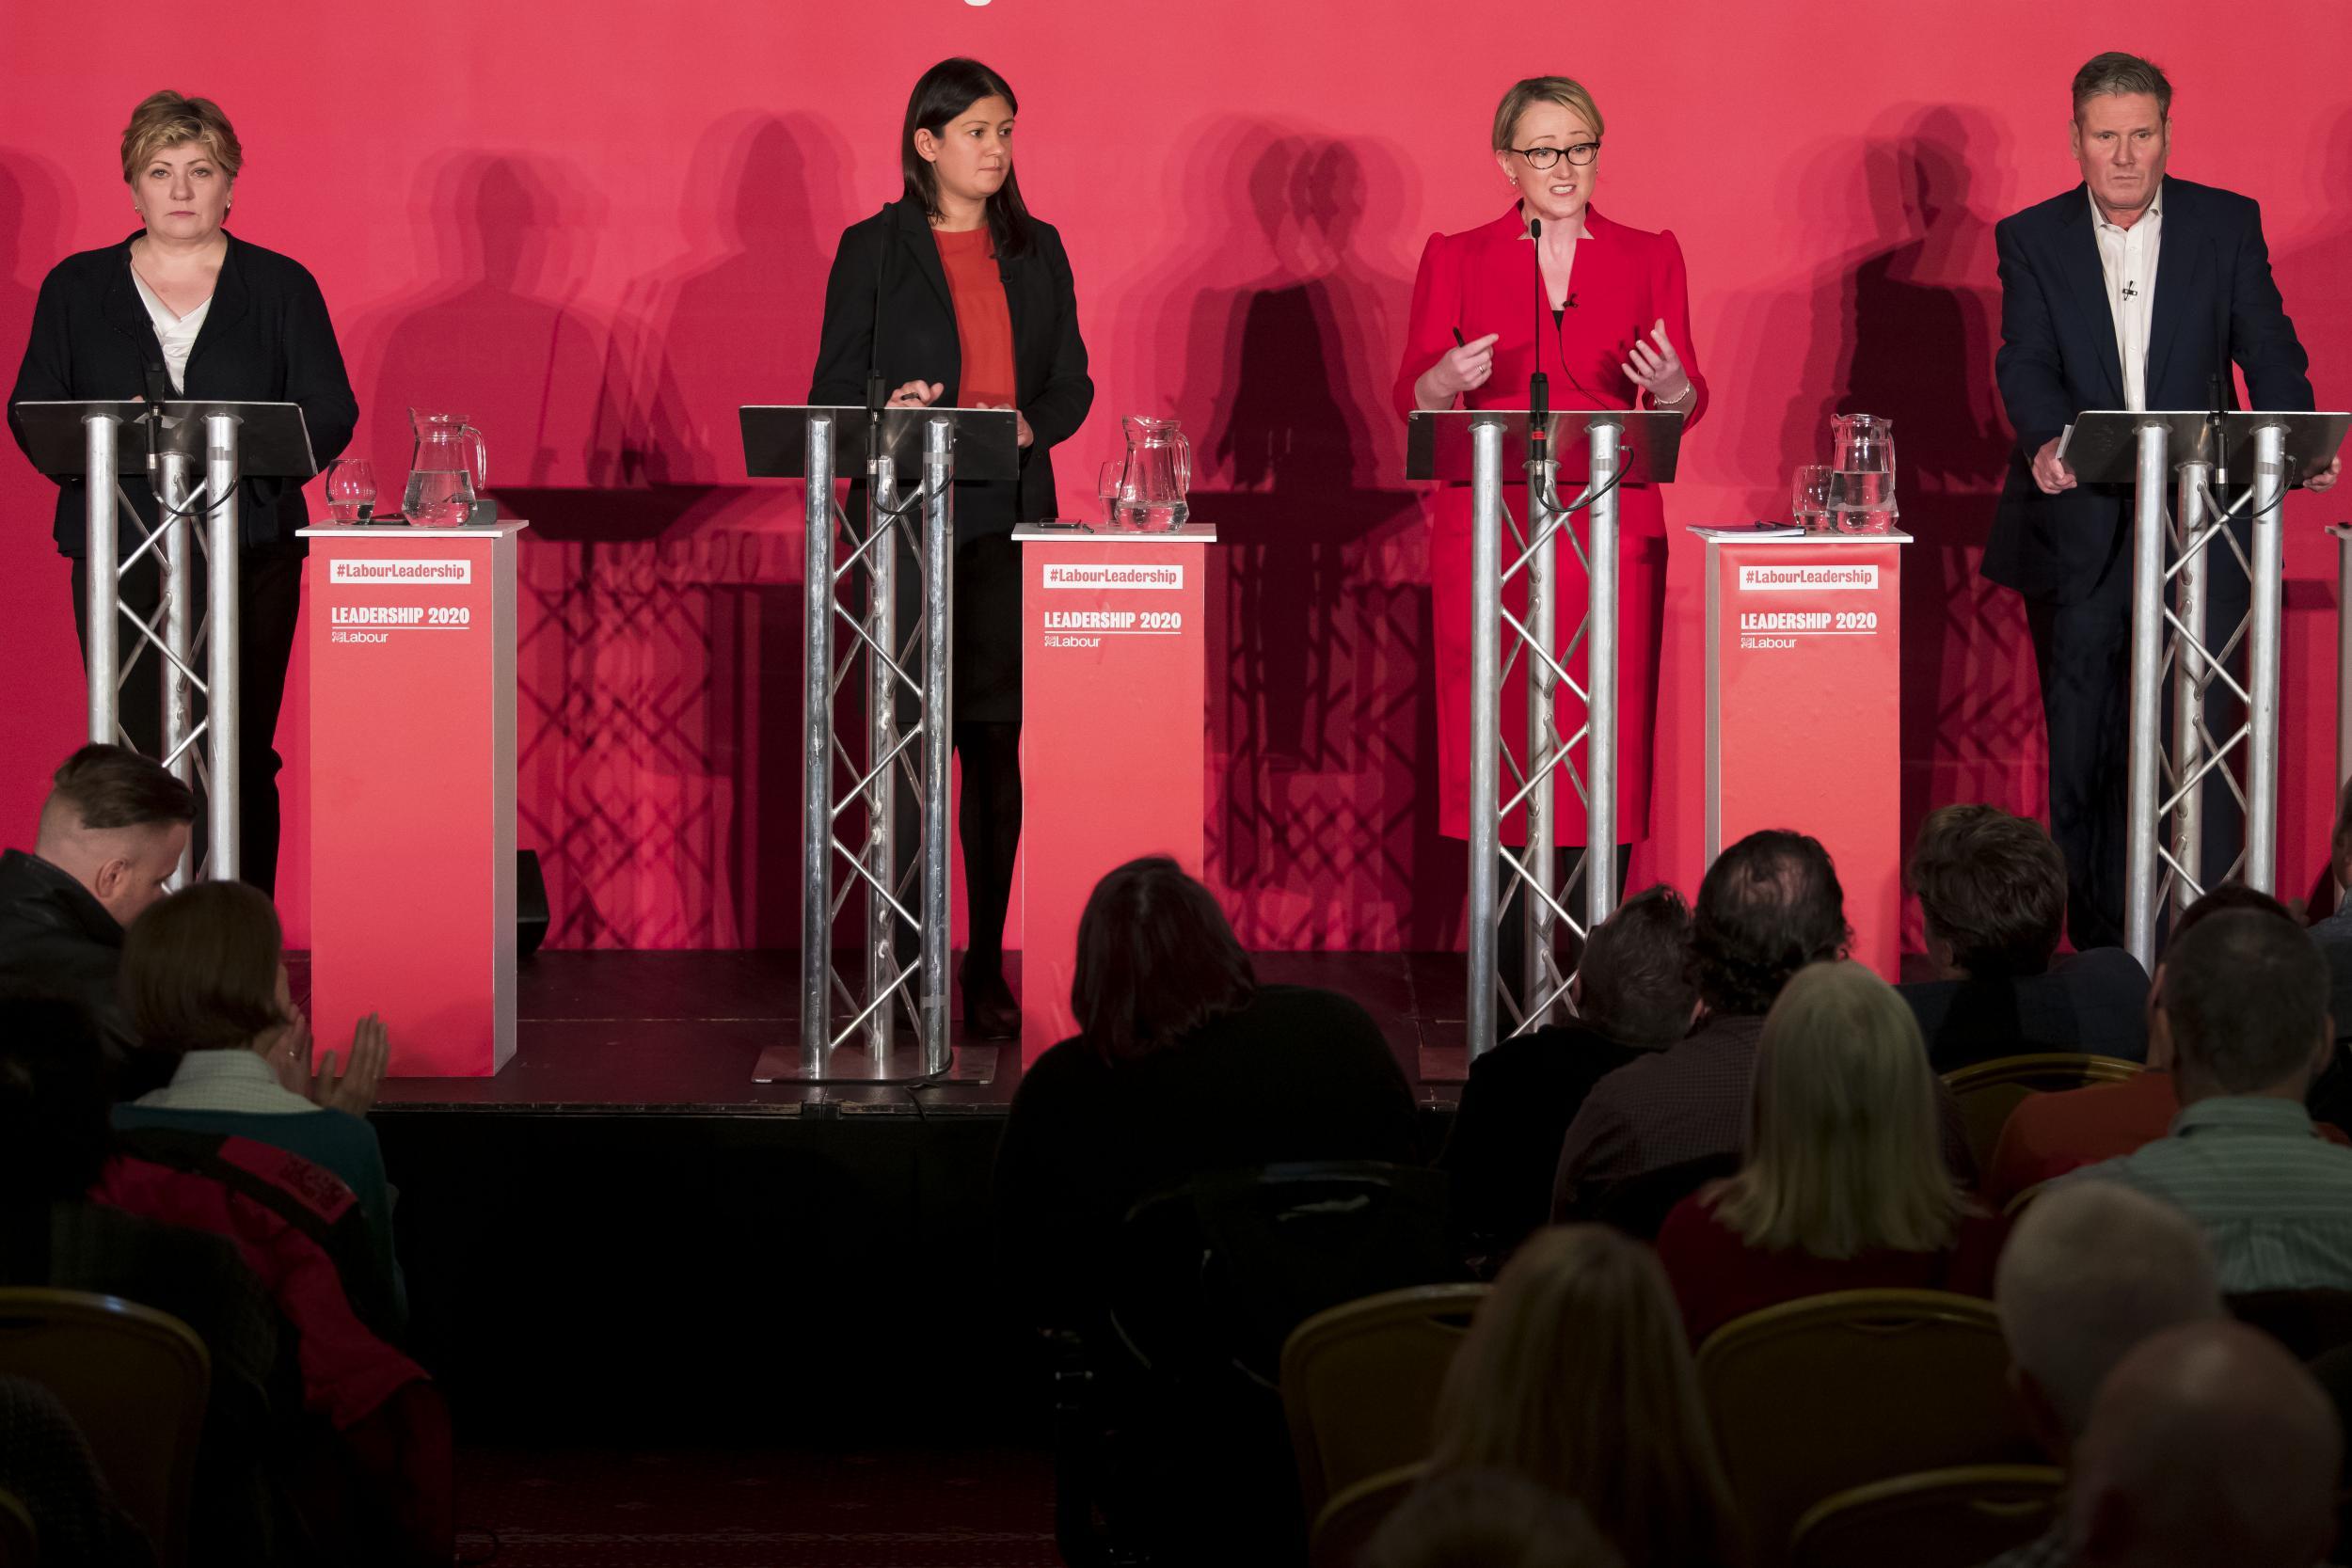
(1538, 385)
(874, 395)
(158, 392)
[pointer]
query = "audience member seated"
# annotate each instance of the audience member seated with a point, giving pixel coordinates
(1768, 907)
(2049, 1134)
(204, 978)
(1482, 1519)
(2090, 1271)
(2207, 1445)
(1576, 1375)
(1633, 993)
(53, 1147)
(1844, 1188)
(113, 829)
(1184, 1064)
(46, 1466)
(2241, 1021)
(1992, 888)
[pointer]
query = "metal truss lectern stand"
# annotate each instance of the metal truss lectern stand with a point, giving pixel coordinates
(196, 646)
(2172, 550)
(895, 734)
(1615, 446)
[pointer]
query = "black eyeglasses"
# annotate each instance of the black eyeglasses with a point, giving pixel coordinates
(1543, 157)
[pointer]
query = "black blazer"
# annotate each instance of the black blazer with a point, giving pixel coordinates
(267, 338)
(2215, 302)
(917, 342)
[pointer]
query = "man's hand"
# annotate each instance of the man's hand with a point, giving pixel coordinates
(2048, 472)
(353, 1089)
(2319, 481)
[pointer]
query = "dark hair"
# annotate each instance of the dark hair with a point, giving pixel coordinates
(2246, 994)
(199, 969)
(1634, 982)
(1156, 960)
(1992, 885)
(2118, 73)
(1768, 907)
(55, 1131)
(1488, 1519)
(2221, 901)
(113, 787)
(944, 92)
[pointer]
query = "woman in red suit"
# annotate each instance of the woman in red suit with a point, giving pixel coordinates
(1615, 333)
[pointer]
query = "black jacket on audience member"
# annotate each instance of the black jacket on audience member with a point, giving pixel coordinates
(1504, 1147)
(2094, 1001)
(1299, 1074)
(57, 940)
(266, 338)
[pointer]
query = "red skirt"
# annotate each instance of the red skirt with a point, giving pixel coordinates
(1640, 604)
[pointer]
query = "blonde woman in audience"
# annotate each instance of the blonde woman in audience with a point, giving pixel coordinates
(1576, 1376)
(1844, 1186)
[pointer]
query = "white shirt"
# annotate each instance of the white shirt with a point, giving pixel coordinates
(232, 1079)
(2128, 258)
(177, 334)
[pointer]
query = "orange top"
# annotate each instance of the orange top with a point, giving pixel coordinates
(983, 321)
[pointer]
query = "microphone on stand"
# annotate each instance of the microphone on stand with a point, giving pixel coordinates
(158, 390)
(1538, 385)
(874, 395)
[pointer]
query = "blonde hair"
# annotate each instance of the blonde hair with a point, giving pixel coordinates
(168, 120)
(1845, 1148)
(1576, 1374)
(1524, 96)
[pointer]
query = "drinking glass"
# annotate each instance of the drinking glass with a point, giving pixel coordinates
(1810, 498)
(350, 489)
(1108, 487)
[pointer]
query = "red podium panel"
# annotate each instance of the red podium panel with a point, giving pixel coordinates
(1113, 730)
(1803, 711)
(412, 792)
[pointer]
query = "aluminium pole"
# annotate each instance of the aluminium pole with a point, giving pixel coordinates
(2188, 683)
(2262, 663)
(2140, 833)
(881, 794)
(101, 643)
(816, 610)
(1542, 757)
(1600, 780)
(938, 730)
(1484, 718)
(223, 729)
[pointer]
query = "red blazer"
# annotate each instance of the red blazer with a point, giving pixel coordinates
(1485, 279)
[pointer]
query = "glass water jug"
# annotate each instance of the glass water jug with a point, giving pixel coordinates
(1155, 477)
(450, 462)
(1862, 474)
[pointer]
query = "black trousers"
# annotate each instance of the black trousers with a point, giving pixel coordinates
(269, 596)
(2083, 652)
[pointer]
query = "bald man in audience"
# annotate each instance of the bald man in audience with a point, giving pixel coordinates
(2241, 1018)
(2208, 1445)
(2090, 1270)
(112, 833)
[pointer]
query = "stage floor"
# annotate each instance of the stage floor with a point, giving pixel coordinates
(606, 1033)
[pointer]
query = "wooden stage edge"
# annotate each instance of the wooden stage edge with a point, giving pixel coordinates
(679, 1033)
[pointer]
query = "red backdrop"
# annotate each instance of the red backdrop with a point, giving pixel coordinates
(595, 229)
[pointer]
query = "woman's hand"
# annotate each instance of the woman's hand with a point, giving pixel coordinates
(1659, 372)
(289, 1053)
(353, 1088)
(1457, 370)
(917, 394)
(1029, 436)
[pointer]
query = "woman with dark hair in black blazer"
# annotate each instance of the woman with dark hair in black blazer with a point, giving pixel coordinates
(186, 303)
(956, 296)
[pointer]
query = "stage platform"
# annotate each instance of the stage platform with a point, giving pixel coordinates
(674, 1032)
(623, 1237)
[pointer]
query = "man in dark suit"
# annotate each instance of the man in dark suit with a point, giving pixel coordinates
(2131, 291)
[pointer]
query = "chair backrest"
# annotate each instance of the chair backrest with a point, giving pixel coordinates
(134, 1381)
(2309, 1323)
(1213, 1276)
(1348, 1522)
(1952, 1518)
(1359, 1384)
(1987, 1092)
(1814, 1397)
(1639, 1205)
